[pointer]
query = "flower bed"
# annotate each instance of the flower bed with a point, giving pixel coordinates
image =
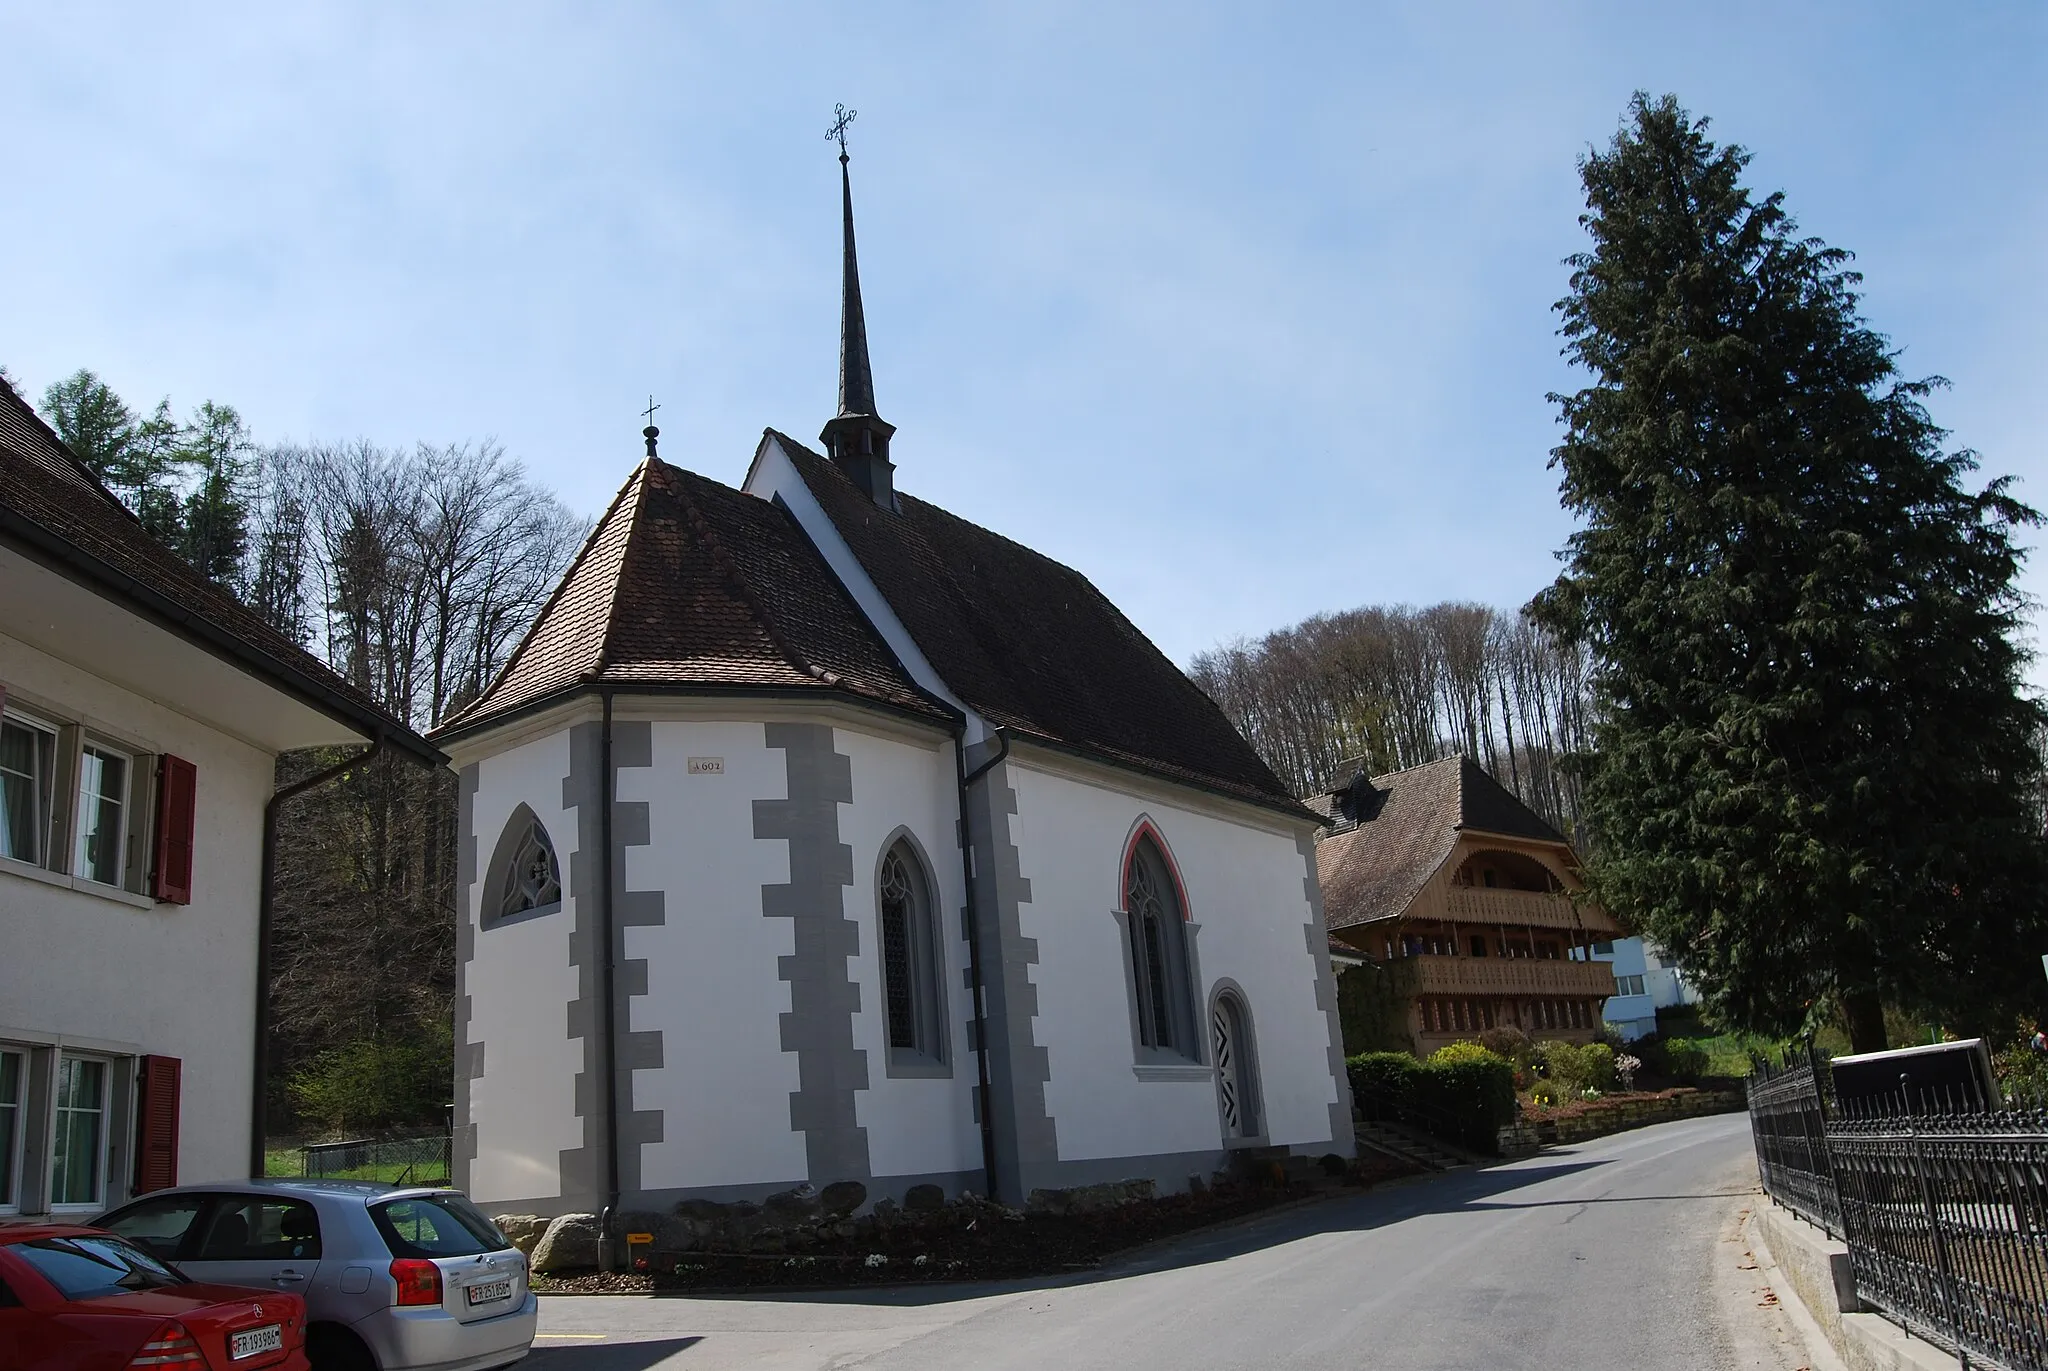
(1577, 1120)
(968, 1240)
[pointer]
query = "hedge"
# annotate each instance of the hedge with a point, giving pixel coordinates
(1462, 1094)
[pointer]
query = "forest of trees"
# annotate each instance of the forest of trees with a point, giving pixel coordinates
(412, 572)
(1401, 686)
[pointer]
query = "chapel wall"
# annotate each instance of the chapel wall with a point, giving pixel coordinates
(1247, 896)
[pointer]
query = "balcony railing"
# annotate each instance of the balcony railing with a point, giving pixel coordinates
(1503, 976)
(1531, 908)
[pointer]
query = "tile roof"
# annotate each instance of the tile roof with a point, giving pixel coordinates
(1374, 868)
(52, 502)
(1033, 646)
(686, 583)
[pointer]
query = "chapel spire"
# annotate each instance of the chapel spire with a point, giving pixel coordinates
(857, 438)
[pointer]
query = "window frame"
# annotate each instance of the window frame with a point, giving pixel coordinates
(102, 1111)
(12, 1142)
(931, 1054)
(123, 801)
(49, 752)
(1183, 1048)
(520, 825)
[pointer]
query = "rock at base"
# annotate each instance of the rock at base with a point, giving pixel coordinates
(923, 1199)
(1090, 1199)
(841, 1198)
(568, 1244)
(521, 1230)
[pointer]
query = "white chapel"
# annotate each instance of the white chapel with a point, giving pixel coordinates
(815, 834)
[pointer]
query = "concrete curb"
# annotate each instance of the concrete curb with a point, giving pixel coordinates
(1816, 1271)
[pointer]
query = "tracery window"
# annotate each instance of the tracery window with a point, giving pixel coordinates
(910, 960)
(526, 876)
(1156, 927)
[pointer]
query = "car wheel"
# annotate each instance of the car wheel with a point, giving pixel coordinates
(336, 1349)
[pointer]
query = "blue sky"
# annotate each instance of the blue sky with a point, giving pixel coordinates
(1244, 311)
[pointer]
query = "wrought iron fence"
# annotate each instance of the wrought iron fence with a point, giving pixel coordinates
(1947, 1221)
(1788, 1120)
(396, 1161)
(1945, 1216)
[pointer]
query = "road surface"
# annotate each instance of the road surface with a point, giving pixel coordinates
(1625, 1253)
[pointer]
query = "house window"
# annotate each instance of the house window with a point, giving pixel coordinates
(75, 1165)
(1628, 985)
(28, 761)
(99, 848)
(10, 1126)
(910, 962)
(525, 876)
(1158, 943)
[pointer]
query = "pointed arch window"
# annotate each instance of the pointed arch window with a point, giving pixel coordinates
(525, 874)
(1155, 927)
(913, 1007)
(1237, 1068)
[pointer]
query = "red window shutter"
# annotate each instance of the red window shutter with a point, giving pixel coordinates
(156, 1133)
(177, 793)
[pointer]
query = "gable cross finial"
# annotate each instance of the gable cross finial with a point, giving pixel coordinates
(650, 433)
(842, 116)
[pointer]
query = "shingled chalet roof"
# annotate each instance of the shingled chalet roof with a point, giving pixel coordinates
(686, 584)
(1032, 646)
(1374, 867)
(53, 507)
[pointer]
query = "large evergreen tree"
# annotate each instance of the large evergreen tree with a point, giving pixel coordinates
(1814, 770)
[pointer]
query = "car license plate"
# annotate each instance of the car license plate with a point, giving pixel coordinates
(254, 1342)
(488, 1291)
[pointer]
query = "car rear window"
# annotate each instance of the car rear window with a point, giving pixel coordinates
(92, 1268)
(436, 1226)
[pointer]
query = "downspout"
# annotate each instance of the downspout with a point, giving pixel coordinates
(974, 965)
(266, 905)
(607, 1240)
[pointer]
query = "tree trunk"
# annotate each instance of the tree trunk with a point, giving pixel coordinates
(1865, 1013)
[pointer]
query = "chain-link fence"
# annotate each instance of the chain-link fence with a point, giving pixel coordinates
(395, 1161)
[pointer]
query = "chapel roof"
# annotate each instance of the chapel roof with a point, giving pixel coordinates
(53, 507)
(1033, 646)
(689, 585)
(1373, 865)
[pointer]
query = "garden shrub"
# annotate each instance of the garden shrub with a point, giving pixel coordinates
(1381, 1084)
(1510, 1042)
(1683, 1059)
(1546, 1093)
(1466, 1095)
(1576, 1068)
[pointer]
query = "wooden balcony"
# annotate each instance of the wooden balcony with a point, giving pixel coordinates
(1506, 976)
(1523, 908)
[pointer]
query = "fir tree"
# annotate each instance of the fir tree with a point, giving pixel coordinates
(1814, 771)
(92, 420)
(216, 516)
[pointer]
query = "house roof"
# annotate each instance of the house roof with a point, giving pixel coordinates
(56, 510)
(1372, 867)
(1033, 646)
(686, 584)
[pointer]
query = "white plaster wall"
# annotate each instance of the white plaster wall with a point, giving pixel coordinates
(520, 984)
(178, 980)
(1245, 892)
(916, 1126)
(713, 985)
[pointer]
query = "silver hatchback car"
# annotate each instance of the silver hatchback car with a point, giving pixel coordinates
(394, 1278)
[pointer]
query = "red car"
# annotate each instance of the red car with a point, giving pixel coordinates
(79, 1299)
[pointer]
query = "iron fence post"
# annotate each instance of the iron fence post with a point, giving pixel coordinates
(1948, 1279)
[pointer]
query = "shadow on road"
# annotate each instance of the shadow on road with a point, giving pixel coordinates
(1342, 1212)
(614, 1356)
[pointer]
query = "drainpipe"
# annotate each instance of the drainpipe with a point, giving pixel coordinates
(607, 1240)
(266, 905)
(974, 965)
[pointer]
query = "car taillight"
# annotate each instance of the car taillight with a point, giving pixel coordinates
(172, 1346)
(419, 1281)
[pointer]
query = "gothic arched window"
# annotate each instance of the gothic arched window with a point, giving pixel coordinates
(1156, 927)
(525, 876)
(910, 960)
(1237, 1069)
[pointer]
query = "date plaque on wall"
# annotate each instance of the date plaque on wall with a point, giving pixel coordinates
(707, 766)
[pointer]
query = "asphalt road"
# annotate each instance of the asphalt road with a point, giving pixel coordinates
(1627, 1252)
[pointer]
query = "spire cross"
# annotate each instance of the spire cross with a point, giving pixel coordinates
(649, 411)
(837, 133)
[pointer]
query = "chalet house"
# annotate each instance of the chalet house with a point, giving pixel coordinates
(815, 835)
(1466, 901)
(141, 714)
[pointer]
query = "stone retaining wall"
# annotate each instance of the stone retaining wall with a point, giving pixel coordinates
(1617, 1115)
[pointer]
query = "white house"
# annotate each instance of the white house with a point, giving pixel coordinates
(1644, 983)
(141, 714)
(814, 834)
